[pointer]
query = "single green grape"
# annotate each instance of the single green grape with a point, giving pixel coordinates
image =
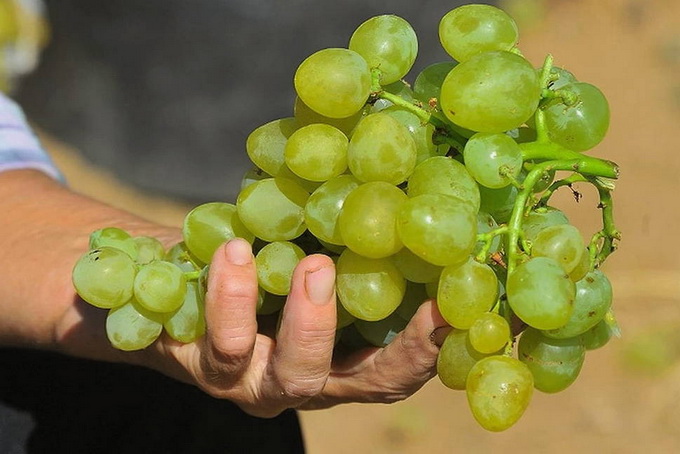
(562, 243)
(466, 292)
(324, 206)
(187, 323)
(344, 318)
(160, 286)
(275, 264)
(334, 82)
(493, 159)
(132, 327)
(381, 149)
(582, 268)
(265, 144)
(388, 43)
(368, 219)
(499, 390)
(428, 83)
(491, 92)
(105, 277)
(414, 268)
(420, 132)
(598, 336)
(471, 29)
(381, 332)
(554, 363)
(115, 238)
(489, 333)
(148, 249)
(456, 358)
(536, 221)
(444, 175)
(527, 287)
(317, 152)
(561, 77)
(181, 256)
(209, 225)
(253, 175)
(370, 289)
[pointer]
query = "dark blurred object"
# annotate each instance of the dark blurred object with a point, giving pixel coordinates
(165, 92)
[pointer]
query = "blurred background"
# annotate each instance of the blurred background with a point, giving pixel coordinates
(146, 105)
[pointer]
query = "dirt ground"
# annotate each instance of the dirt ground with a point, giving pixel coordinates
(631, 49)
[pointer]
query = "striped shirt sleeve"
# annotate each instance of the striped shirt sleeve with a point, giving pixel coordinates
(19, 146)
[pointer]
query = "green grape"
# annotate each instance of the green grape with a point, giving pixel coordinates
(414, 268)
(253, 175)
(381, 332)
(317, 152)
(415, 295)
(528, 288)
(160, 286)
(438, 228)
(598, 336)
(428, 83)
(562, 243)
(275, 264)
(269, 304)
(470, 29)
(563, 77)
(492, 158)
(307, 185)
(466, 292)
(181, 256)
(421, 133)
(491, 92)
(115, 238)
(524, 134)
(368, 218)
(388, 43)
(381, 149)
(104, 277)
(499, 389)
(499, 203)
(370, 289)
(443, 175)
(334, 82)
(344, 318)
(544, 182)
(593, 300)
(148, 249)
(456, 358)
(133, 327)
(401, 89)
(485, 224)
(208, 226)
(324, 205)
(265, 144)
(583, 125)
(554, 363)
(540, 219)
(273, 209)
(489, 333)
(306, 116)
(187, 323)
(582, 268)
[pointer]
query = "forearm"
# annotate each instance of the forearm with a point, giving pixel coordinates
(44, 230)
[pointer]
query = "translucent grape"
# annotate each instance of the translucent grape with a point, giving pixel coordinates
(491, 92)
(115, 238)
(456, 358)
(370, 289)
(428, 83)
(582, 268)
(443, 175)
(554, 363)
(563, 77)
(209, 225)
(466, 292)
(583, 125)
(470, 29)
(562, 243)
(187, 323)
(148, 249)
(598, 336)
(334, 82)
(160, 286)
(527, 287)
(181, 256)
(420, 132)
(133, 327)
(324, 205)
(489, 333)
(499, 389)
(414, 268)
(317, 152)
(104, 277)
(265, 144)
(273, 209)
(491, 158)
(538, 220)
(388, 43)
(368, 219)
(381, 149)
(498, 202)
(253, 175)
(381, 332)
(275, 264)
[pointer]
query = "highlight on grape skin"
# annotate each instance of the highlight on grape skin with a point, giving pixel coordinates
(441, 189)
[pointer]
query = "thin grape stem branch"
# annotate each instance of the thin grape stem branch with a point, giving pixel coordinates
(192, 275)
(487, 240)
(609, 230)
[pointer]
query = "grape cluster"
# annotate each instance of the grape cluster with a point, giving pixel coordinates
(440, 189)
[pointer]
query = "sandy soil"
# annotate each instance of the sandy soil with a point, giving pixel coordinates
(631, 49)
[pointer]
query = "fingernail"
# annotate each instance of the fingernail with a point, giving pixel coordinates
(320, 284)
(238, 252)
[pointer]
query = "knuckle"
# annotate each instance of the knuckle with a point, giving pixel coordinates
(300, 390)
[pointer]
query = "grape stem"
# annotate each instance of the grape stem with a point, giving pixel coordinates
(487, 239)
(192, 275)
(443, 132)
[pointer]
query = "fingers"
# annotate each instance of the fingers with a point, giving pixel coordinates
(301, 361)
(231, 302)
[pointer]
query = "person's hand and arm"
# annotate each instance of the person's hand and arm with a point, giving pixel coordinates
(44, 229)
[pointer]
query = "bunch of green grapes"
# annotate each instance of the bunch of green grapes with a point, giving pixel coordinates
(436, 189)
